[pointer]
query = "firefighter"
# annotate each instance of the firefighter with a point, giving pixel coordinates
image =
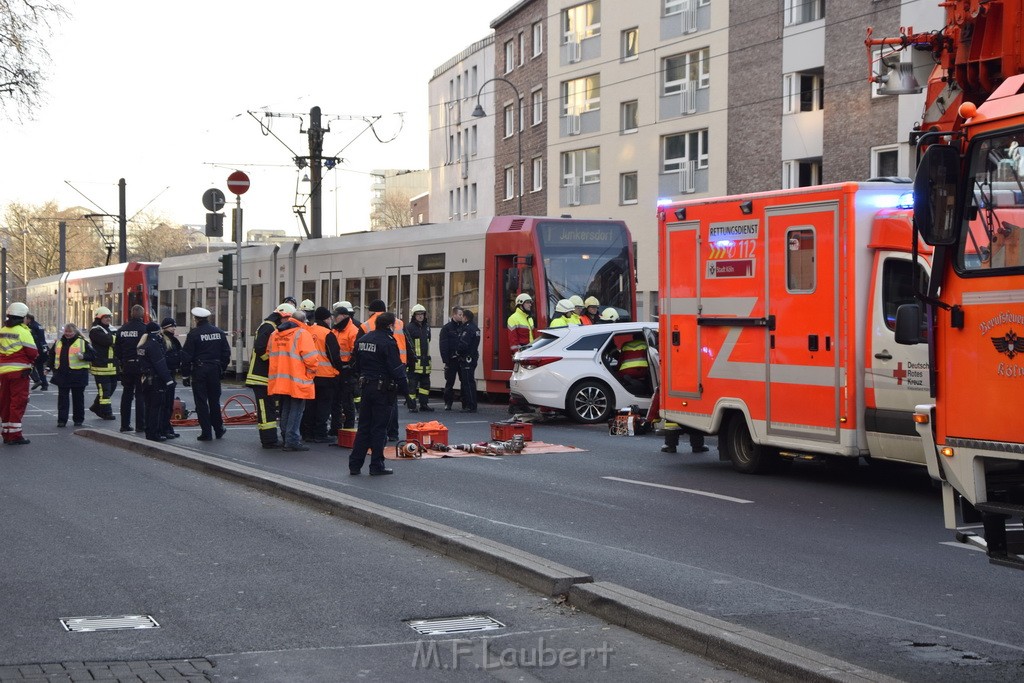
(377, 308)
(609, 315)
(468, 353)
(417, 334)
(204, 357)
(565, 310)
(18, 353)
(308, 308)
(577, 310)
(172, 351)
(156, 381)
(448, 342)
(293, 362)
(258, 376)
(347, 332)
(591, 315)
(317, 413)
(382, 378)
(520, 323)
(103, 368)
(634, 369)
(130, 369)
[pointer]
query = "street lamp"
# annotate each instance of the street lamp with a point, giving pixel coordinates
(480, 113)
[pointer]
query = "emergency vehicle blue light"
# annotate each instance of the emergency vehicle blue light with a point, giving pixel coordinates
(724, 244)
(883, 201)
(906, 200)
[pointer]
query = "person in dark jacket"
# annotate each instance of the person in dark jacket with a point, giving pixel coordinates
(151, 352)
(69, 358)
(104, 367)
(204, 357)
(347, 333)
(448, 340)
(130, 369)
(468, 352)
(258, 377)
(417, 336)
(172, 347)
(39, 369)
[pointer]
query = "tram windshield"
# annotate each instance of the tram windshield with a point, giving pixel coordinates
(586, 259)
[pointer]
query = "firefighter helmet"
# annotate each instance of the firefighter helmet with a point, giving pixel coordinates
(17, 310)
(591, 301)
(564, 306)
(307, 305)
(102, 311)
(418, 308)
(523, 298)
(609, 315)
(286, 310)
(576, 300)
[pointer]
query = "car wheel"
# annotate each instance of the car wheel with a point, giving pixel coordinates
(746, 456)
(590, 402)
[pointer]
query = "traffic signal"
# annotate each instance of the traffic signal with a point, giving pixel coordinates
(226, 270)
(214, 225)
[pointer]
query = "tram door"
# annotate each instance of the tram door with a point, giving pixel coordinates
(507, 274)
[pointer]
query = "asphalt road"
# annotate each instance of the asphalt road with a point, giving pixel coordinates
(855, 565)
(258, 588)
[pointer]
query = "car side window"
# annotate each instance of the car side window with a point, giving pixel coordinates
(589, 342)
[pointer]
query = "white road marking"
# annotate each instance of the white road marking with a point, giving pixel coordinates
(965, 546)
(676, 488)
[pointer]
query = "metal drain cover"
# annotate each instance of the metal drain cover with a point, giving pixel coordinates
(126, 622)
(448, 625)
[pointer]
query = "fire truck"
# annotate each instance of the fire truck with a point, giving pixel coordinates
(969, 207)
(777, 323)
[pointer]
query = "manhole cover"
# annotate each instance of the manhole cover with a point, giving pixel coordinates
(448, 625)
(126, 622)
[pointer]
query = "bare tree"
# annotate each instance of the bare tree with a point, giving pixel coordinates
(31, 234)
(23, 26)
(391, 210)
(152, 238)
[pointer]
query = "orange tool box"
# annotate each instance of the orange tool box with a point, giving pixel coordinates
(503, 431)
(427, 433)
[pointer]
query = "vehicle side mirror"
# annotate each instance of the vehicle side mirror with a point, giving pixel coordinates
(909, 325)
(935, 192)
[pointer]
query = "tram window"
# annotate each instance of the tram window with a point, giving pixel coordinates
(308, 290)
(464, 290)
(330, 291)
(373, 289)
(166, 305)
(222, 320)
(210, 301)
(256, 311)
(430, 294)
(180, 307)
(401, 306)
(353, 294)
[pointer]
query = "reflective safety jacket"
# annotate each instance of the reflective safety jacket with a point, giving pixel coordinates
(633, 358)
(418, 337)
(259, 362)
(17, 349)
(71, 361)
(293, 361)
(327, 349)
(371, 324)
(520, 329)
(102, 340)
(346, 332)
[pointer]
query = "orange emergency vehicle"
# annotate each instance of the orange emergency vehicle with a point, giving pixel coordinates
(777, 323)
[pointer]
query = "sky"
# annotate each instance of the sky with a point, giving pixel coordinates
(158, 94)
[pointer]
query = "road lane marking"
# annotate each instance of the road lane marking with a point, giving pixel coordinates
(677, 488)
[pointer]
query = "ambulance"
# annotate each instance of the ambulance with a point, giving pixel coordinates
(777, 318)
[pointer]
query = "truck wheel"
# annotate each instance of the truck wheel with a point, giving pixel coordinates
(590, 402)
(746, 456)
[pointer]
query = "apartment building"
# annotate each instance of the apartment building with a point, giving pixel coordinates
(461, 147)
(391, 193)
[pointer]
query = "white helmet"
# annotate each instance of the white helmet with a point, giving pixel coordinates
(591, 301)
(102, 311)
(286, 310)
(576, 300)
(345, 304)
(564, 306)
(523, 298)
(610, 315)
(17, 310)
(307, 305)
(418, 308)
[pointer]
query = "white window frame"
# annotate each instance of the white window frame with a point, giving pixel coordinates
(792, 91)
(691, 137)
(522, 48)
(622, 117)
(473, 140)
(472, 198)
(572, 16)
(510, 183)
(623, 200)
(510, 120)
(537, 105)
(702, 59)
(624, 47)
(883, 149)
(522, 113)
(583, 165)
(796, 12)
(538, 174)
(510, 56)
(791, 172)
(673, 7)
(538, 38)
(581, 95)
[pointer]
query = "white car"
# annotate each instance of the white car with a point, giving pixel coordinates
(575, 369)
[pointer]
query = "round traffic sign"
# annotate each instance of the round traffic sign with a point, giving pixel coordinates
(238, 182)
(213, 199)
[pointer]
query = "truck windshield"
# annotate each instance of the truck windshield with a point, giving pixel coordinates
(993, 231)
(586, 259)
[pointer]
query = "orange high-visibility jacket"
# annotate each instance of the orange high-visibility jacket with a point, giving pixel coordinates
(370, 326)
(293, 361)
(324, 367)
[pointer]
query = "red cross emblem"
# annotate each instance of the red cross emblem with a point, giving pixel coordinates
(899, 373)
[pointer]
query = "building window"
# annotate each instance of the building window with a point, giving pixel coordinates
(522, 113)
(885, 161)
(510, 56)
(472, 198)
(801, 173)
(802, 11)
(674, 6)
(522, 48)
(682, 148)
(627, 188)
(630, 44)
(537, 106)
(538, 173)
(510, 182)
(538, 38)
(582, 166)
(803, 91)
(690, 67)
(472, 140)
(629, 117)
(451, 205)
(581, 21)
(510, 120)
(581, 95)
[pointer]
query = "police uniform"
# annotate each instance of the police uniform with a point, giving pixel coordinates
(381, 378)
(157, 381)
(125, 352)
(204, 357)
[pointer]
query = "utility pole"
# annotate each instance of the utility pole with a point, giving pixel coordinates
(316, 152)
(122, 223)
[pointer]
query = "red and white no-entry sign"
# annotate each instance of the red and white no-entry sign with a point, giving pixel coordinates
(238, 183)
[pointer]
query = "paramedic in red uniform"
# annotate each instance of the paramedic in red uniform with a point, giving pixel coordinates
(18, 352)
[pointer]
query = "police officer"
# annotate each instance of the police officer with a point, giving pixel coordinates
(125, 353)
(382, 378)
(468, 352)
(258, 377)
(448, 343)
(346, 332)
(172, 349)
(103, 368)
(204, 357)
(151, 354)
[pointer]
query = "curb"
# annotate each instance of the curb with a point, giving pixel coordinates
(740, 648)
